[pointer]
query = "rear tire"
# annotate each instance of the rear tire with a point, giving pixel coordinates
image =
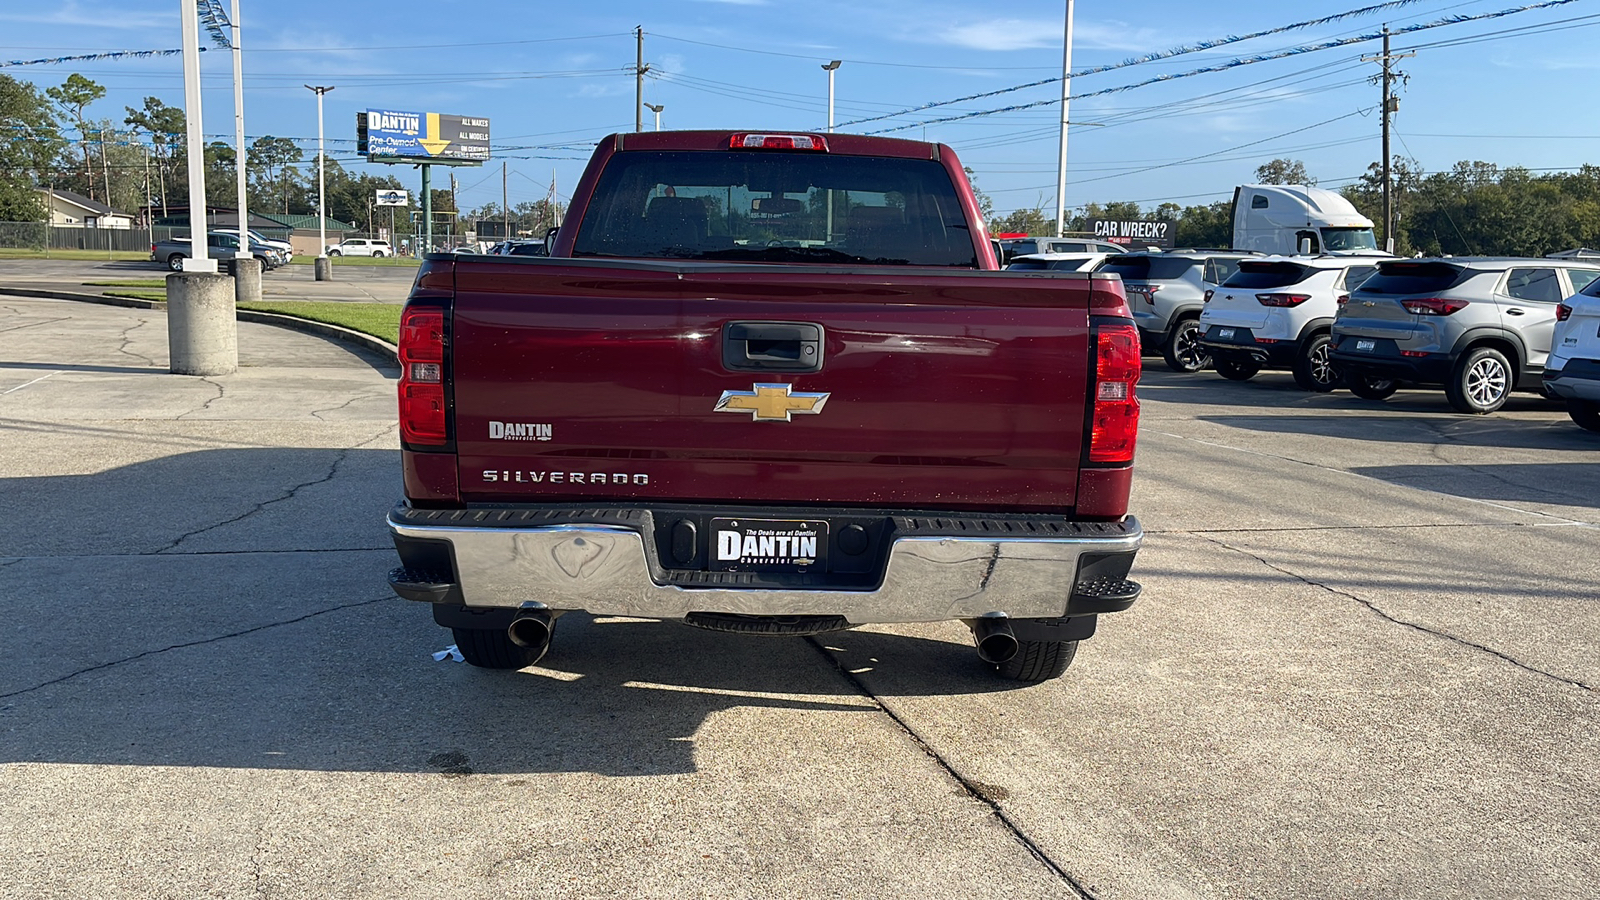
(1236, 371)
(1182, 349)
(1038, 661)
(1480, 382)
(1585, 413)
(492, 648)
(1371, 387)
(1313, 366)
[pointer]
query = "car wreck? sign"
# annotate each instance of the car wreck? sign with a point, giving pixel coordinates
(1137, 233)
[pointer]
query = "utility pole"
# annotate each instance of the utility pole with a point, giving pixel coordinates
(639, 68)
(1066, 97)
(1390, 104)
(505, 205)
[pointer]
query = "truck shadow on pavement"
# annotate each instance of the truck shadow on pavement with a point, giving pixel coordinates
(358, 690)
(228, 608)
(1560, 484)
(1444, 430)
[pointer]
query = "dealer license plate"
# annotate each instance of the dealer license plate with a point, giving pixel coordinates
(1224, 334)
(1366, 345)
(768, 545)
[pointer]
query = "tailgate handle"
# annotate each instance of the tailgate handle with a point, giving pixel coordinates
(772, 347)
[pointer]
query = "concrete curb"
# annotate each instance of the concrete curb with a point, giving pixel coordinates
(337, 332)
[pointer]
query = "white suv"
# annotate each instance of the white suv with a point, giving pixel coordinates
(1572, 371)
(1166, 291)
(361, 247)
(1277, 313)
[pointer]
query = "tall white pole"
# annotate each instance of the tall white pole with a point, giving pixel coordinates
(238, 136)
(199, 260)
(831, 67)
(1066, 97)
(322, 184)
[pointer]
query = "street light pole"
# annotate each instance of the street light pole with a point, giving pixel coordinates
(238, 136)
(831, 68)
(323, 265)
(1066, 98)
(656, 108)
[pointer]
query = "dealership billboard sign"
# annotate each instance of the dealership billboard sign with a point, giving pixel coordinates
(1137, 233)
(391, 197)
(388, 135)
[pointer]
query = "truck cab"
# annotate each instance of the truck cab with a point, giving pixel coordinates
(1292, 219)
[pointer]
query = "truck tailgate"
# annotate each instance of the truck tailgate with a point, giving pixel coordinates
(601, 381)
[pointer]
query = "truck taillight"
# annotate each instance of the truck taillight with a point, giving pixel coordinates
(1114, 422)
(1282, 299)
(778, 142)
(422, 407)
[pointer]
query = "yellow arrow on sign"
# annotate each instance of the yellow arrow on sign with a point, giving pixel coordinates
(430, 139)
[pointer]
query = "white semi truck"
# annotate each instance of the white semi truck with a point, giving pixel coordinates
(1292, 219)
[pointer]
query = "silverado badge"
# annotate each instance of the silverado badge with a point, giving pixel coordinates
(770, 402)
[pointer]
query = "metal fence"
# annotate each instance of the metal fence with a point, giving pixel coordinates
(42, 237)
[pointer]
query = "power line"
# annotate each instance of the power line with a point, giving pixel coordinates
(1231, 64)
(1152, 57)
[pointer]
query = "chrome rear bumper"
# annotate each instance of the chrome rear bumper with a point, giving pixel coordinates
(610, 569)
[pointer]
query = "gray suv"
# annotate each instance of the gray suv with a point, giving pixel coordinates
(1166, 291)
(1480, 327)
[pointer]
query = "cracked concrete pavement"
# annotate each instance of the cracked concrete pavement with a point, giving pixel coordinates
(1365, 664)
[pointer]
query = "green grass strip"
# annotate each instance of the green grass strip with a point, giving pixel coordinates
(27, 253)
(381, 320)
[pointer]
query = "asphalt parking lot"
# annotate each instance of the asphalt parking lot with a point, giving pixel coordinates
(1366, 664)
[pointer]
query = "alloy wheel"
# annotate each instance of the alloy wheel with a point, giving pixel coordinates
(1486, 382)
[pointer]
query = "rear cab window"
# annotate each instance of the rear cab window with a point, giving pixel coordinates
(776, 207)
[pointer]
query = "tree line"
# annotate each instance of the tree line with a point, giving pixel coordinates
(1472, 209)
(142, 157)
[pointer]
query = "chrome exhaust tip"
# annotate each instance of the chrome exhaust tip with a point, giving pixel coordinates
(994, 638)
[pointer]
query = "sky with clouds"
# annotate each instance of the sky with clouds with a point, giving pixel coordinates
(556, 77)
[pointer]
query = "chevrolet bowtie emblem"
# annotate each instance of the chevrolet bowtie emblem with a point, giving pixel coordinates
(770, 402)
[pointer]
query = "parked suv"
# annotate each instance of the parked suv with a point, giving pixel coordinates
(1011, 248)
(361, 247)
(1480, 327)
(1276, 313)
(1166, 290)
(1573, 371)
(1057, 262)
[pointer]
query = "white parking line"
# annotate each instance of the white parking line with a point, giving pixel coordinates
(35, 381)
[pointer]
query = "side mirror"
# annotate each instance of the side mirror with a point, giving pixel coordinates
(550, 241)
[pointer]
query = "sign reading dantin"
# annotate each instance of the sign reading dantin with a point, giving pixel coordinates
(387, 134)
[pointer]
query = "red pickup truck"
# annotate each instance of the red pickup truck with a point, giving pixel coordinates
(767, 384)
